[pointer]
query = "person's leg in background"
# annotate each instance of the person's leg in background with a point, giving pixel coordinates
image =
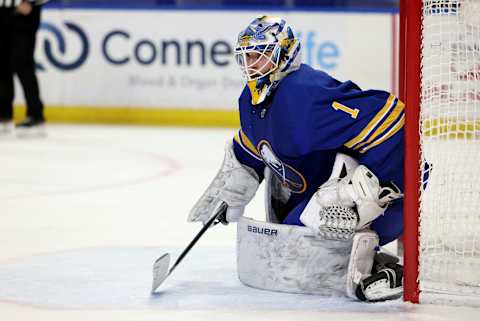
(25, 32)
(6, 73)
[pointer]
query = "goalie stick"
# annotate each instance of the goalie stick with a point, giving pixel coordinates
(160, 266)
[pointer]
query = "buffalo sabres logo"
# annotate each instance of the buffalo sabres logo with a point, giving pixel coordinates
(289, 177)
(259, 32)
(259, 27)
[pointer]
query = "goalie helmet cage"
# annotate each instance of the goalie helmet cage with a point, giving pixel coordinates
(440, 83)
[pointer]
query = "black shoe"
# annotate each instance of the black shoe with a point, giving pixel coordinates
(30, 122)
(31, 127)
(6, 126)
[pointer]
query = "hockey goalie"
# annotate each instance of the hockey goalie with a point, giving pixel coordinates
(331, 156)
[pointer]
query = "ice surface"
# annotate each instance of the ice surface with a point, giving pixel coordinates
(86, 211)
(112, 277)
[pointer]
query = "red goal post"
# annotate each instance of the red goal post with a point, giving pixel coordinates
(410, 27)
(440, 84)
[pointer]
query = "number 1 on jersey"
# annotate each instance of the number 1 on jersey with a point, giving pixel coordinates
(352, 112)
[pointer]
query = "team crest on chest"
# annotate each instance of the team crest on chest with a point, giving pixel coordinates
(289, 177)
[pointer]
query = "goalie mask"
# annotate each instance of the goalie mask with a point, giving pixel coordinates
(266, 51)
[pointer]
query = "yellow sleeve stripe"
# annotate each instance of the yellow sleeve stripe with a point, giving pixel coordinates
(387, 135)
(237, 138)
(394, 115)
(246, 144)
(372, 124)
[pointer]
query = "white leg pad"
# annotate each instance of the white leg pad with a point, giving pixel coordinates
(288, 258)
(361, 259)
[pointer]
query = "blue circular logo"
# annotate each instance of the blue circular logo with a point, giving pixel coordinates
(57, 62)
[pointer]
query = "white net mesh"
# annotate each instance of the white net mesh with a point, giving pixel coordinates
(450, 143)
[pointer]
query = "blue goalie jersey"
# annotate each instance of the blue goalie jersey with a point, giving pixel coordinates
(312, 117)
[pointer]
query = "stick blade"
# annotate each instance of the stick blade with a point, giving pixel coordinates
(160, 271)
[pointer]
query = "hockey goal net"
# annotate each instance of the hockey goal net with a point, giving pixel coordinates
(441, 86)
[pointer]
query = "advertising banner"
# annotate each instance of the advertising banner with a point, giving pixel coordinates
(184, 59)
